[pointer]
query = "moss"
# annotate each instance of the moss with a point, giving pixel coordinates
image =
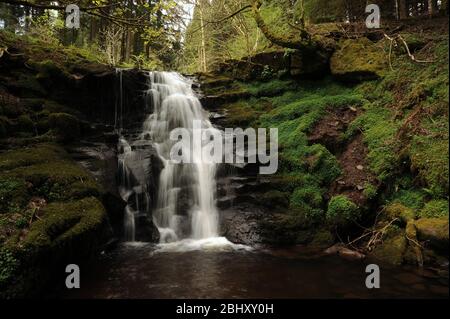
(241, 114)
(49, 172)
(370, 191)
(358, 59)
(397, 210)
(435, 209)
(391, 250)
(66, 126)
(323, 238)
(412, 198)
(290, 228)
(341, 211)
(309, 200)
(54, 107)
(25, 124)
(323, 164)
(13, 195)
(434, 230)
(29, 85)
(430, 157)
(37, 154)
(311, 195)
(63, 222)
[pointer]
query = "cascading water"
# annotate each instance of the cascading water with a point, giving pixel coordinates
(185, 206)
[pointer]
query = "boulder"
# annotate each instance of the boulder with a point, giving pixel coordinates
(435, 231)
(358, 60)
(391, 250)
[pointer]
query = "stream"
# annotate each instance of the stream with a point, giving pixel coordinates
(145, 271)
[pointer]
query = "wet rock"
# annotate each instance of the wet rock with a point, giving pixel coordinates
(242, 224)
(146, 230)
(343, 251)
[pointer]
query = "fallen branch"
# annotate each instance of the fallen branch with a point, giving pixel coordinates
(393, 41)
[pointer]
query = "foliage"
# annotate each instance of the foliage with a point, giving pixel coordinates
(8, 266)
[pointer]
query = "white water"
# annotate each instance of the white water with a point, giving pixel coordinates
(186, 192)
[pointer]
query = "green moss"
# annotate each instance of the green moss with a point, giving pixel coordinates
(13, 195)
(370, 191)
(49, 172)
(64, 222)
(323, 238)
(36, 154)
(413, 198)
(322, 164)
(397, 210)
(430, 157)
(309, 200)
(66, 126)
(29, 85)
(434, 230)
(25, 124)
(392, 250)
(341, 211)
(54, 107)
(241, 114)
(435, 209)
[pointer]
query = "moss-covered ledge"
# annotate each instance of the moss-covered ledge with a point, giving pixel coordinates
(51, 215)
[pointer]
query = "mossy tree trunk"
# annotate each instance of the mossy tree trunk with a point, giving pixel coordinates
(300, 43)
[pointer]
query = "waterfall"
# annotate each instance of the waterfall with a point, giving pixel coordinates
(185, 201)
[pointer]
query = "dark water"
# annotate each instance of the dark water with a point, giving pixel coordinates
(138, 272)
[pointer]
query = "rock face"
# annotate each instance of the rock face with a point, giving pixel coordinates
(277, 63)
(358, 60)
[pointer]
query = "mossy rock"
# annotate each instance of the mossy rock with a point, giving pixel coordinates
(342, 211)
(392, 250)
(323, 239)
(63, 222)
(397, 210)
(49, 173)
(435, 231)
(357, 60)
(25, 124)
(66, 126)
(36, 154)
(291, 228)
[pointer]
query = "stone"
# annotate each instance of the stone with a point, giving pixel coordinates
(357, 60)
(434, 230)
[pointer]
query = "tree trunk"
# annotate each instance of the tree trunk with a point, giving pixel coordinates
(432, 7)
(402, 9)
(203, 45)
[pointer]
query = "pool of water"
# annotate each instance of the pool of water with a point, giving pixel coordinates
(229, 271)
